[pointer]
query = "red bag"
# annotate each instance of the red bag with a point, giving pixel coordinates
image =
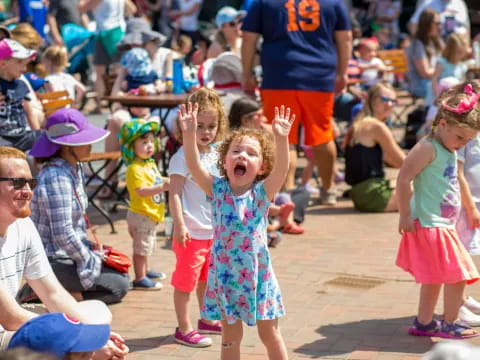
(116, 259)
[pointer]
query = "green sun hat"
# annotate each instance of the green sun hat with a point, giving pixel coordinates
(132, 130)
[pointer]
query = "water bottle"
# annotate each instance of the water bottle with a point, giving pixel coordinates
(177, 76)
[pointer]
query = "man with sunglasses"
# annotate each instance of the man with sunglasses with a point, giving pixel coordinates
(22, 256)
(305, 52)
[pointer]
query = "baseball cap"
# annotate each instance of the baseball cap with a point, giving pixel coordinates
(137, 62)
(35, 81)
(59, 334)
(66, 127)
(10, 48)
(227, 14)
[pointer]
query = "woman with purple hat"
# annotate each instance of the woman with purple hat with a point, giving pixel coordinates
(58, 206)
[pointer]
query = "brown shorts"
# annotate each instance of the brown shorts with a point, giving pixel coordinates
(143, 231)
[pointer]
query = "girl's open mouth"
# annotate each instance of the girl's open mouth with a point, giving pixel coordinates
(239, 170)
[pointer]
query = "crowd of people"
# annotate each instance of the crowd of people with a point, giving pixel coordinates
(267, 82)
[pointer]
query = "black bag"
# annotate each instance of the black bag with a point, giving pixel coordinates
(415, 120)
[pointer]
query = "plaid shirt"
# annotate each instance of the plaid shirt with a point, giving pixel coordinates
(59, 218)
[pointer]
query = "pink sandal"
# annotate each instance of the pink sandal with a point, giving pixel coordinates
(192, 339)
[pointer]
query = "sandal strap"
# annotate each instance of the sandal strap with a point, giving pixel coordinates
(433, 325)
(454, 328)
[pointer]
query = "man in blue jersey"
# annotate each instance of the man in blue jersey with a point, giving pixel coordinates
(305, 52)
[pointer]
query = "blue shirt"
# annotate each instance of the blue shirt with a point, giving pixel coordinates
(13, 120)
(298, 50)
(35, 13)
(59, 218)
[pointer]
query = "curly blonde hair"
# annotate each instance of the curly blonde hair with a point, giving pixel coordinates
(207, 100)
(452, 97)
(266, 144)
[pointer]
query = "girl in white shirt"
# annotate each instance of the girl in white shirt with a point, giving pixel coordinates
(55, 60)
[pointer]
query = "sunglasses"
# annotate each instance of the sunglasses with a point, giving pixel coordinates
(19, 183)
(386, 99)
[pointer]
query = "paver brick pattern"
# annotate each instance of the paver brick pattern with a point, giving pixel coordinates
(323, 321)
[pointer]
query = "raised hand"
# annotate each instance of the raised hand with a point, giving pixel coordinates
(187, 116)
(282, 123)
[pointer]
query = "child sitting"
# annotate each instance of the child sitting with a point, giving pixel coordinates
(138, 139)
(15, 109)
(368, 62)
(55, 60)
(140, 73)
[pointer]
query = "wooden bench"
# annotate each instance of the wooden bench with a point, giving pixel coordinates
(397, 60)
(54, 100)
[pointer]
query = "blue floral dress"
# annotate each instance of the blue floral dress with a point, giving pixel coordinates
(241, 284)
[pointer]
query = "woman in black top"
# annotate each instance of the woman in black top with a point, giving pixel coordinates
(370, 143)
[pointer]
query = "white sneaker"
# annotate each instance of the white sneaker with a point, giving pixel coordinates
(467, 317)
(328, 197)
(472, 305)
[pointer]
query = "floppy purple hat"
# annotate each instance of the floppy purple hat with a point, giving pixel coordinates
(66, 127)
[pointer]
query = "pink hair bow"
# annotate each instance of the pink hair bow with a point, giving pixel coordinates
(466, 104)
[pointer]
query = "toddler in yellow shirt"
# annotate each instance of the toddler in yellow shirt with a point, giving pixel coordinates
(139, 142)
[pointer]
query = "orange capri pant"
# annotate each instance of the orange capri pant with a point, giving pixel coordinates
(313, 109)
(192, 264)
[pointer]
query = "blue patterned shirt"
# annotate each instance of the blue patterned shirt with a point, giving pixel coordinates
(59, 218)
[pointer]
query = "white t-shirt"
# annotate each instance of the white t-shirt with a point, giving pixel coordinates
(470, 156)
(159, 62)
(370, 76)
(197, 211)
(189, 22)
(21, 255)
(447, 9)
(109, 14)
(63, 81)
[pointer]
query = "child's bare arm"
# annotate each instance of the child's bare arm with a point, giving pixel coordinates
(467, 199)
(420, 156)
(145, 191)
(188, 125)
(281, 126)
(31, 119)
(180, 232)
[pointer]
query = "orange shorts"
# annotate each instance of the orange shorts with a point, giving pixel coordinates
(314, 109)
(192, 264)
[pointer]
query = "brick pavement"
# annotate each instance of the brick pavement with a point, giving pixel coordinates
(344, 297)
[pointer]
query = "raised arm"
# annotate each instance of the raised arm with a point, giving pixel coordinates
(282, 123)
(188, 125)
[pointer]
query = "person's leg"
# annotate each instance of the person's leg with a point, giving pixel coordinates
(181, 301)
(231, 339)
(66, 272)
(392, 205)
(100, 70)
(428, 299)
(110, 287)
(453, 299)
(324, 156)
(201, 286)
(269, 332)
(139, 266)
(292, 167)
(111, 142)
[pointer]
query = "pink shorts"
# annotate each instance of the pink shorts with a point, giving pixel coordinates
(435, 256)
(192, 264)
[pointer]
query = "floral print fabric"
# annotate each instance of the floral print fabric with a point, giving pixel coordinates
(241, 284)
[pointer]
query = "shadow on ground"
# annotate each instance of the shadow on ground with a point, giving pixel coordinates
(383, 335)
(142, 344)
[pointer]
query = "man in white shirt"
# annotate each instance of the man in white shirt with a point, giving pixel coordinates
(453, 16)
(22, 256)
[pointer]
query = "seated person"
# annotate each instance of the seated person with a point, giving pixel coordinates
(370, 65)
(59, 204)
(61, 335)
(55, 60)
(23, 258)
(368, 143)
(17, 127)
(140, 73)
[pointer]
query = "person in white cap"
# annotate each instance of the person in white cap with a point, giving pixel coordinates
(17, 127)
(229, 34)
